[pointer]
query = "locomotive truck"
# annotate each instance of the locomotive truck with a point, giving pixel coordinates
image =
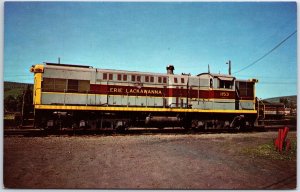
(77, 96)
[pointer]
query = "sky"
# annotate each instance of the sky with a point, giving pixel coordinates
(149, 36)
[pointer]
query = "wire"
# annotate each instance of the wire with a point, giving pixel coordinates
(278, 45)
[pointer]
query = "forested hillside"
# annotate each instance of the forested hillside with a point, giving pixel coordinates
(13, 95)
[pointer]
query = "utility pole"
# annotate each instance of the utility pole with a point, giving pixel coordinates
(229, 67)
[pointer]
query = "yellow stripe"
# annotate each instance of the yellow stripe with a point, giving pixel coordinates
(37, 88)
(138, 109)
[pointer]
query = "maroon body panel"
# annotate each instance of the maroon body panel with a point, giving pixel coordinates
(162, 92)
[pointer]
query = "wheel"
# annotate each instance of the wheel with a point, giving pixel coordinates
(238, 123)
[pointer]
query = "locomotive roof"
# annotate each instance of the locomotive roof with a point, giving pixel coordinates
(268, 103)
(85, 67)
(126, 71)
(219, 76)
(68, 65)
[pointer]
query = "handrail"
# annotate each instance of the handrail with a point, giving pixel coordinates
(258, 108)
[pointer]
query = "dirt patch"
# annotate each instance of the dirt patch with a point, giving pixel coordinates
(201, 161)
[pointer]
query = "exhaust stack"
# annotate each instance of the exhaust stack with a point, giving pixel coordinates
(170, 69)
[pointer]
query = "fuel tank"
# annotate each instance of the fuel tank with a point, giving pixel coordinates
(163, 121)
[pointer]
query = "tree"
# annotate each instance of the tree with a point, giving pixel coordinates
(285, 101)
(15, 104)
(10, 103)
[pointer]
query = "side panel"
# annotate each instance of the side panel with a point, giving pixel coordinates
(73, 99)
(68, 74)
(244, 104)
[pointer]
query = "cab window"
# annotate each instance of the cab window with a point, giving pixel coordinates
(225, 84)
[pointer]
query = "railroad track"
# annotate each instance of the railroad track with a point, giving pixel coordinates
(29, 131)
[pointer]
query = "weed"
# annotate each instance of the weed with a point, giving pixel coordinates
(268, 151)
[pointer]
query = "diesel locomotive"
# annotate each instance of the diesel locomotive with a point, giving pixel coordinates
(77, 96)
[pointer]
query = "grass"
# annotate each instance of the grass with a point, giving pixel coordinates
(268, 151)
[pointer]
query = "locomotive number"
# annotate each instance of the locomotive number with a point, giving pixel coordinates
(224, 94)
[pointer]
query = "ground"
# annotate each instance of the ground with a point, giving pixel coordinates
(155, 161)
